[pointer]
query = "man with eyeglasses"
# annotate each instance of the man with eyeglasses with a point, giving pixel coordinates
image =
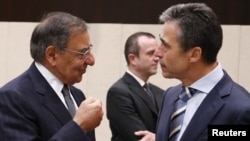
(41, 104)
(81, 53)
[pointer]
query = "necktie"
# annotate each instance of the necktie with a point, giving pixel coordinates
(68, 100)
(179, 111)
(149, 92)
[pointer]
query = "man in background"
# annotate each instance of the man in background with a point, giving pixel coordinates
(132, 102)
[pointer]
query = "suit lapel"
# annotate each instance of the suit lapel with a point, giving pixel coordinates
(50, 99)
(138, 90)
(203, 116)
(210, 106)
(158, 96)
(144, 96)
(78, 97)
(171, 95)
(167, 107)
(56, 107)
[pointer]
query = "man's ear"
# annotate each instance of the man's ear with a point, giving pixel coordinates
(50, 54)
(131, 58)
(195, 54)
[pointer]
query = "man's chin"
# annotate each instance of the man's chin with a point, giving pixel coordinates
(166, 75)
(79, 79)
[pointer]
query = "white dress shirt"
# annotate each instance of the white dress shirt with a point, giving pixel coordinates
(54, 82)
(204, 85)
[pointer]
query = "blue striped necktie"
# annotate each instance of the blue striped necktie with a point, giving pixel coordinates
(179, 112)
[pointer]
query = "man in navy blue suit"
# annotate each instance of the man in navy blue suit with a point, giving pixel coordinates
(190, 41)
(33, 106)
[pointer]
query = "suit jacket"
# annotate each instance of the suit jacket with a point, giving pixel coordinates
(226, 104)
(31, 110)
(130, 109)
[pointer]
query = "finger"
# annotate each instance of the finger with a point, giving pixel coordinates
(140, 133)
(96, 103)
(89, 100)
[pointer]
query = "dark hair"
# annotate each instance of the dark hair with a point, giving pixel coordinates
(55, 29)
(199, 26)
(132, 46)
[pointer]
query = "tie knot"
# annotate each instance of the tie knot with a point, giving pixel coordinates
(192, 91)
(145, 86)
(187, 92)
(65, 90)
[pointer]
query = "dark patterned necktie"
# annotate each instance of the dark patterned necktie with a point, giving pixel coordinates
(69, 101)
(149, 92)
(179, 111)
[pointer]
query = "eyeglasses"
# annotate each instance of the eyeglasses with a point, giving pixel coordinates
(83, 53)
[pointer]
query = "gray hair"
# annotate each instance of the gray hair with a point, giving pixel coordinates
(55, 29)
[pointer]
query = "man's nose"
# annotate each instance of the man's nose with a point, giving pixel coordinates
(158, 53)
(90, 60)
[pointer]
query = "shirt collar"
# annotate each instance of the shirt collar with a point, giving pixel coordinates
(207, 82)
(53, 81)
(140, 81)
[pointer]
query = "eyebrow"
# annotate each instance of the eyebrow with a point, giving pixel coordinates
(87, 47)
(162, 41)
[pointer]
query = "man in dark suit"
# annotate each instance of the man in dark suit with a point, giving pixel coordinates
(190, 41)
(33, 106)
(129, 107)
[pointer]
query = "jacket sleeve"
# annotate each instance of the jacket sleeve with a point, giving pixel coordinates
(123, 117)
(19, 121)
